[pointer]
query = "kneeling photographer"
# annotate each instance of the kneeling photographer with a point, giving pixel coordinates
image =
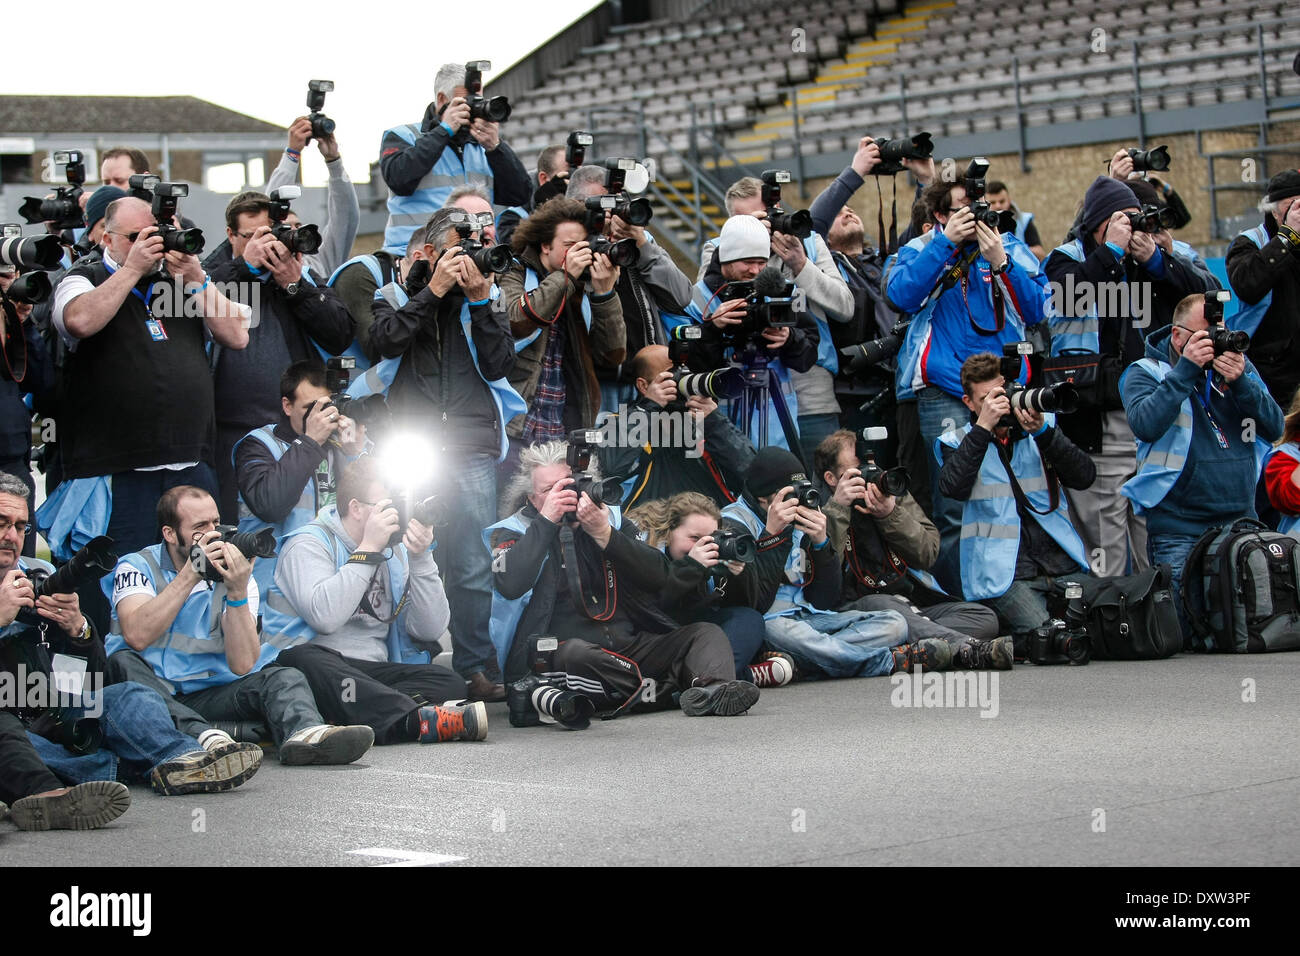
(1008, 465)
(567, 564)
(889, 545)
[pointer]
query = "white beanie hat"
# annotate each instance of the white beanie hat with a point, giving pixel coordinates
(744, 237)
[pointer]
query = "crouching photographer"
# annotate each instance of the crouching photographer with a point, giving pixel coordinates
(567, 564)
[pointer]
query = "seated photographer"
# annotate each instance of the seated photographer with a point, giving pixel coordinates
(647, 288)
(685, 528)
(971, 289)
(672, 445)
(421, 164)
(826, 297)
(567, 566)
(450, 352)
(1264, 271)
(566, 318)
(1016, 540)
(288, 470)
(795, 582)
(551, 180)
(1282, 473)
(1147, 278)
(293, 313)
(192, 636)
(729, 334)
(999, 198)
(353, 606)
(1203, 420)
(888, 545)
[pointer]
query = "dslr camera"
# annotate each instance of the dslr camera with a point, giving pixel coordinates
(891, 482)
(487, 259)
(64, 209)
(321, 125)
(718, 384)
(166, 198)
(974, 183)
(494, 109)
(603, 491)
(1225, 339)
(1063, 398)
(1058, 641)
(541, 697)
(797, 223)
(894, 151)
(1152, 219)
(624, 252)
(306, 238)
(805, 492)
(254, 544)
(430, 512)
(38, 252)
(735, 545)
(1150, 159)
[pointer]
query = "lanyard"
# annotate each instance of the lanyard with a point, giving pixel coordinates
(146, 299)
(1204, 398)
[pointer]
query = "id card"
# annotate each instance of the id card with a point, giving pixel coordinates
(69, 674)
(156, 330)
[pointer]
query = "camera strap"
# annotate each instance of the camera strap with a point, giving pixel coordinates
(1053, 487)
(892, 568)
(365, 607)
(568, 548)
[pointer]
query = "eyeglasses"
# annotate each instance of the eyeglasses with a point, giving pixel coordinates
(21, 527)
(128, 236)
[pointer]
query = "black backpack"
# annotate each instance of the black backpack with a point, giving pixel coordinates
(1241, 589)
(1133, 618)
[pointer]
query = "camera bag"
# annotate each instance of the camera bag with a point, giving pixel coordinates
(1241, 589)
(1132, 617)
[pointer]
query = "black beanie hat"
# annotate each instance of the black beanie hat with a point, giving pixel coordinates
(1104, 197)
(1284, 185)
(773, 468)
(98, 202)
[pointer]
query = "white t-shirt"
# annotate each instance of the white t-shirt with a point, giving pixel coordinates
(129, 580)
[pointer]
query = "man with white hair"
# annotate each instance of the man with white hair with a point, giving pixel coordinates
(422, 163)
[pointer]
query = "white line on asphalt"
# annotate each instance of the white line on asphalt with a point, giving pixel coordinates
(406, 857)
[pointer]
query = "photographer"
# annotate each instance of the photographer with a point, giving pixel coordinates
(552, 180)
(355, 607)
(288, 470)
(573, 568)
(291, 308)
(1264, 272)
(165, 637)
(1016, 540)
(646, 289)
(711, 457)
(742, 255)
(795, 583)
(47, 638)
(1146, 278)
(454, 352)
(1122, 168)
(562, 303)
(889, 545)
(422, 164)
(1202, 418)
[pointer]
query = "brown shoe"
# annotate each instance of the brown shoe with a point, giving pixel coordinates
(480, 687)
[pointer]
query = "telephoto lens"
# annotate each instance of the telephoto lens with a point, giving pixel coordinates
(36, 252)
(1063, 398)
(30, 288)
(533, 700)
(719, 384)
(89, 564)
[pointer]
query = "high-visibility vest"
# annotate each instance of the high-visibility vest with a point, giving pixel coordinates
(1023, 219)
(789, 595)
(1162, 461)
(1074, 332)
(408, 213)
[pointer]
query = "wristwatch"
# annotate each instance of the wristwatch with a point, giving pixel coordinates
(291, 289)
(1006, 264)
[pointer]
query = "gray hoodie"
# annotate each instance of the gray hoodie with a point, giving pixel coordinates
(332, 600)
(343, 217)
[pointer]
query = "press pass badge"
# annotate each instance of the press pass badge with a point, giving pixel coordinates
(156, 330)
(69, 674)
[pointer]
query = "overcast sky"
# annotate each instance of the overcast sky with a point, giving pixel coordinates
(257, 58)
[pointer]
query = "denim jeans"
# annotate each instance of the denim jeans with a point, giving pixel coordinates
(1172, 549)
(1024, 606)
(840, 643)
(940, 412)
(138, 733)
(466, 564)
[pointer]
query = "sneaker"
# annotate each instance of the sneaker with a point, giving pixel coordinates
(215, 739)
(721, 700)
(326, 744)
(776, 671)
(207, 771)
(928, 654)
(466, 720)
(87, 806)
(997, 654)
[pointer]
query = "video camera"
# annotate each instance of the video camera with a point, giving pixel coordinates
(894, 151)
(797, 223)
(487, 259)
(604, 491)
(64, 209)
(321, 125)
(1152, 219)
(494, 109)
(1150, 159)
(1225, 339)
(974, 184)
(575, 148)
(255, 544)
(166, 199)
(306, 238)
(1066, 641)
(769, 304)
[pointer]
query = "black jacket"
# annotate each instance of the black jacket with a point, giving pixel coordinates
(1253, 273)
(271, 488)
(438, 388)
(799, 353)
(757, 585)
(38, 378)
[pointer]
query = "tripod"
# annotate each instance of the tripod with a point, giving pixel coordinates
(759, 384)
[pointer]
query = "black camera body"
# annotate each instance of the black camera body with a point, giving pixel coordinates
(166, 200)
(494, 109)
(735, 545)
(541, 696)
(305, 238)
(1229, 340)
(64, 209)
(604, 491)
(575, 148)
(321, 125)
(487, 259)
(797, 223)
(1058, 641)
(1150, 159)
(894, 151)
(430, 512)
(805, 492)
(891, 482)
(255, 544)
(1151, 219)
(975, 185)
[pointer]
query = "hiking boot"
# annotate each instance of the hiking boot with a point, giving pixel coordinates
(207, 771)
(326, 744)
(997, 654)
(721, 700)
(87, 806)
(776, 671)
(464, 721)
(929, 654)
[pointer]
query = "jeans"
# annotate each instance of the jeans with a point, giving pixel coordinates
(1173, 549)
(1024, 606)
(955, 622)
(466, 564)
(138, 732)
(278, 695)
(745, 631)
(812, 430)
(840, 643)
(940, 412)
